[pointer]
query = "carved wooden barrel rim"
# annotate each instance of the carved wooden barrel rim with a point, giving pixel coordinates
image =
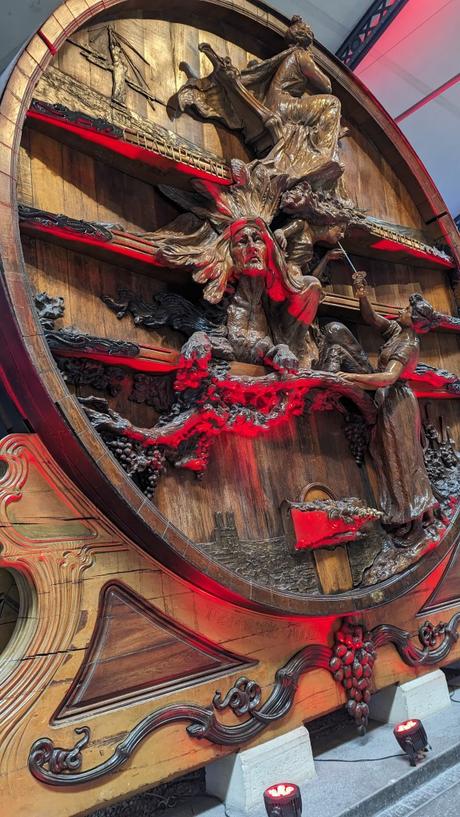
(31, 375)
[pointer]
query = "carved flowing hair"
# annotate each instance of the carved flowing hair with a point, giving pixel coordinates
(201, 239)
(423, 314)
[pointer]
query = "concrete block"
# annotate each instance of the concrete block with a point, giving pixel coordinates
(240, 780)
(418, 698)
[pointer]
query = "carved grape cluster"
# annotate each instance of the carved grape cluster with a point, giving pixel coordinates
(440, 455)
(144, 465)
(352, 665)
(357, 433)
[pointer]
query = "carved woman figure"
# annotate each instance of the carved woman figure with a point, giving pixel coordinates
(404, 487)
(300, 93)
(284, 102)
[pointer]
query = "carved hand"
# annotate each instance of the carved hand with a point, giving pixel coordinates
(193, 363)
(359, 284)
(281, 358)
(335, 255)
(281, 239)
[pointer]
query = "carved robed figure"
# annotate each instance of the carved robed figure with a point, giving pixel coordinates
(284, 102)
(405, 493)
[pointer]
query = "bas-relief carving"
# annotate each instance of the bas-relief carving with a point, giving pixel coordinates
(253, 247)
(168, 656)
(350, 661)
(50, 534)
(111, 51)
(405, 491)
(284, 102)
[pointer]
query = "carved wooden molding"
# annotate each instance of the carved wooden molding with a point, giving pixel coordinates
(136, 650)
(61, 767)
(45, 553)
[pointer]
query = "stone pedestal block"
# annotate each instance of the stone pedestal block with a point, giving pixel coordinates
(240, 780)
(415, 699)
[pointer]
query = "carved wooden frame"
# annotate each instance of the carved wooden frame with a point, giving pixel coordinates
(61, 767)
(57, 560)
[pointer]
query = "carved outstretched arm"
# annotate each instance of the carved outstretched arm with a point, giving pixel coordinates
(376, 380)
(368, 313)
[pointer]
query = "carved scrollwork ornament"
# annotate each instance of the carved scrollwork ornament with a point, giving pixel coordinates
(44, 753)
(242, 698)
(351, 659)
(429, 633)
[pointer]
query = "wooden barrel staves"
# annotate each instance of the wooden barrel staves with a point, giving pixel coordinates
(226, 276)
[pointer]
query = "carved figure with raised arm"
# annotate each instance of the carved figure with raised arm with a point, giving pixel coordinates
(404, 487)
(284, 103)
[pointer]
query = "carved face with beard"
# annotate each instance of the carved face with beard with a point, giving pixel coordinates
(248, 250)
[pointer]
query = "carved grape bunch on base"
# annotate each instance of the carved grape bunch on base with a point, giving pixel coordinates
(352, 665)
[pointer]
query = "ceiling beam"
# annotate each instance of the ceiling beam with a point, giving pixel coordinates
(370, 28)
(428, 98)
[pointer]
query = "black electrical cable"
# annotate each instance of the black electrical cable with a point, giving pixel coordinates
(359, 759)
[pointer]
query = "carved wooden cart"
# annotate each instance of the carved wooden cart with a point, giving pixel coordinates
(209, 471)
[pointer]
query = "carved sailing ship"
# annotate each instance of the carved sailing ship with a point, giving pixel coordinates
(195, 302)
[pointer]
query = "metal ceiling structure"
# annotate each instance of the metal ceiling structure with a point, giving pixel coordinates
(405, 51)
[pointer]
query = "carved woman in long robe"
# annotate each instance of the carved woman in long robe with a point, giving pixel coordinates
(404, 488)
(284, 102)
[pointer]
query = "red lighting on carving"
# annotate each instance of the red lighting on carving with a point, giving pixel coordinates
(387, 245)
(134, 152)
(70, 235)
(281, 790)
(314, 529)
(404, 727)
(140, 364)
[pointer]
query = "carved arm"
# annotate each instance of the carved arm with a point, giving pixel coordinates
(376, 380)
(320, 82)
(368, 313)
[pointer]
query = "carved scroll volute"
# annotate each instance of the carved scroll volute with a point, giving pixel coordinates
(49, 557)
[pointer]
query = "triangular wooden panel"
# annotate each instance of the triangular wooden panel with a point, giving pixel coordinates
(136, 651)
(447, 591)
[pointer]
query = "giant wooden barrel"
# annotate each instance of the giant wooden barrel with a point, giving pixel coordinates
(227, 451)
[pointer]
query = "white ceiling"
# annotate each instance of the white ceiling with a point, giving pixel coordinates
(331, 20)
(416, 55)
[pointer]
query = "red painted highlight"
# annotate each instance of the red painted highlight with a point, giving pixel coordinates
(123, 148)
(47, 42)
(387, 245)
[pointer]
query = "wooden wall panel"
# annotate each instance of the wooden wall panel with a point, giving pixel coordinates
(372, 183)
